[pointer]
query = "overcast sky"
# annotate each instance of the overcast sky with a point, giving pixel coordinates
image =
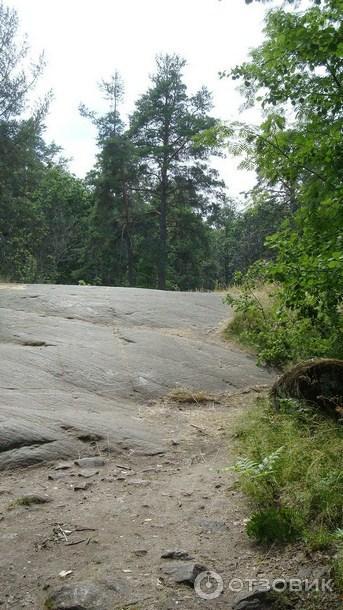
(86, 40)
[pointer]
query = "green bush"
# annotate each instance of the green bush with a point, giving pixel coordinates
(278, 334)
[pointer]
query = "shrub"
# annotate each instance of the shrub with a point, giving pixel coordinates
(278, 333)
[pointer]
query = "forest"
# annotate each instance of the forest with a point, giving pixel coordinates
(153, 212)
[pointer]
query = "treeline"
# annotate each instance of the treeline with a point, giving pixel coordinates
(152, 212)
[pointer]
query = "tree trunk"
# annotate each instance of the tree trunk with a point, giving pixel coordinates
(162, 263)
(130, 269)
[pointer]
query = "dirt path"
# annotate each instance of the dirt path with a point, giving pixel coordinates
(112, 534)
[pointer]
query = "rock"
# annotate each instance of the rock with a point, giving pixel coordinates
(183, 571)
(262, 599)
(90, 462)
(319, 382)
(176, 554)
(64, 465)
(57, 476)
(81, 486)
(88, 595)
(65, 573)
(86, 474)
(140, 552)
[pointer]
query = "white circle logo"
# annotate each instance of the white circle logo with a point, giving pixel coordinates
(208, 585)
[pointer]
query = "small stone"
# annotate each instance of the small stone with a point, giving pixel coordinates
(65, 573)
(138, 482)
(183, 571)
(64, 465)
(262, 599)
(87, 474)
(176, 554)
(90, 462)
(140, 552)
(57, 476)
(81, 486)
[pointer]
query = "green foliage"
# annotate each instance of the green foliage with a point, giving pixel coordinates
(277, 333)
(297, 155)
(301, 490)
(257, 470)
(270, 525)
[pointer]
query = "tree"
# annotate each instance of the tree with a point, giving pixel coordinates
(297, 77)
(23, 152)
(163, 127)
(62, 204)
(42, 206)
(113, 180)
(16, 82)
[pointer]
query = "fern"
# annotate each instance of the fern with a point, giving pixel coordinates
(255, 469)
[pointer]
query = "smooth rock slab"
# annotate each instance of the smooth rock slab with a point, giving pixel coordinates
(78, 362)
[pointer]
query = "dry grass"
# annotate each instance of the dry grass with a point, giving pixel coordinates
(183, 395)
(187, 395)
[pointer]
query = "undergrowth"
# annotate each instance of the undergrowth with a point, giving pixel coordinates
(291, 467)
(277, 333)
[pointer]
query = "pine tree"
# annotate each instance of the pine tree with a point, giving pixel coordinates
(164, 126)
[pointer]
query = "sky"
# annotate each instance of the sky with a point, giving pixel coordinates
(87, 40)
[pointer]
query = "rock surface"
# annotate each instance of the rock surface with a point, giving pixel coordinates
(77, 361)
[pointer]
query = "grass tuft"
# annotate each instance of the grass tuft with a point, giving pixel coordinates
(187, 395)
